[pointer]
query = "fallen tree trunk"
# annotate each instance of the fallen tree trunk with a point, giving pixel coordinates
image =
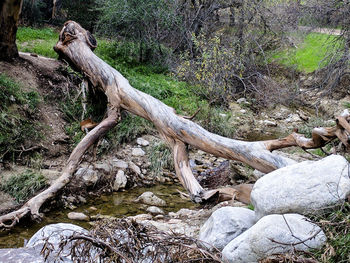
(76, 45)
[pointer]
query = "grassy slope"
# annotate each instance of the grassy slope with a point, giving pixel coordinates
(310, 54)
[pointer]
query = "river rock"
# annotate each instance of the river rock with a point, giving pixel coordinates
(257, 174)
(154, 210)
(54, 233)
(134, 168)
(150, 198)
(87, 175)
(78, 216)
(224, 225)
(302, 188)
(270, 123)
(105, 167)
(142, 142)
(137, 152)
(120, 164)
(269, 236)
(20, 255)
(120, 180)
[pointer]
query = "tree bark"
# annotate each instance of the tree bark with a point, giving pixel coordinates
(9, 16)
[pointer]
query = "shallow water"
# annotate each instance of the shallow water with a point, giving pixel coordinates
(118, 204)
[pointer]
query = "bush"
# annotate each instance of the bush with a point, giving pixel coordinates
(219, 72)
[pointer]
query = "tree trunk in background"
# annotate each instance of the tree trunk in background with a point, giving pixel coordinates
(9, 16)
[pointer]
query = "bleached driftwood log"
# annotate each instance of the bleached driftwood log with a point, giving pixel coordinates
(76, 46)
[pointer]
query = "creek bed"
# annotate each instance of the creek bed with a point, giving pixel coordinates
(119, 204)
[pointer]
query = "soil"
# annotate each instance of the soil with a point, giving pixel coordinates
(44, 75)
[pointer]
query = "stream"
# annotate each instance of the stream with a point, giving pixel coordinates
(119, 204)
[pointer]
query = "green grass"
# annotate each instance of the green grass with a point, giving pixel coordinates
(310, 55)
(38, 41)
(161, 157)
(23, 186)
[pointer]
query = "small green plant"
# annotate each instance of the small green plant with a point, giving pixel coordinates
(161, 157)
(24, 185)
(335, 222)
(250, 206)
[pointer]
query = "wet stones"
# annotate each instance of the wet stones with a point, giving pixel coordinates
(150, 198)
(78, 216)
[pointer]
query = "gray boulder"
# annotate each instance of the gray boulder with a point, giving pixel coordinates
(120, 180)
(54, 233)
(87, 175)
(302, 188)
(137, 152)
(78, 216)
(150, 198)
(224, 225)
(274, 234)
(155, 210)
(142, 142)
(20, 255)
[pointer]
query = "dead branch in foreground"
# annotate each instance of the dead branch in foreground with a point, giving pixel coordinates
(76, 45)
(123, 240)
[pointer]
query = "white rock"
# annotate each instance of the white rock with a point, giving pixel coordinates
(137, 152)
(142, 142)
(106, 167)
(120, 180)
(78, 216)
(154, 210)
(134, 168)
(293, 118)
(242, 101)
(54, 233)
(265, 238)
(270, 123)
(257, 174)
(150, 198)
(120, 164)
(224, 225)
(19, 255)
(87, 175)
(303, 187)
